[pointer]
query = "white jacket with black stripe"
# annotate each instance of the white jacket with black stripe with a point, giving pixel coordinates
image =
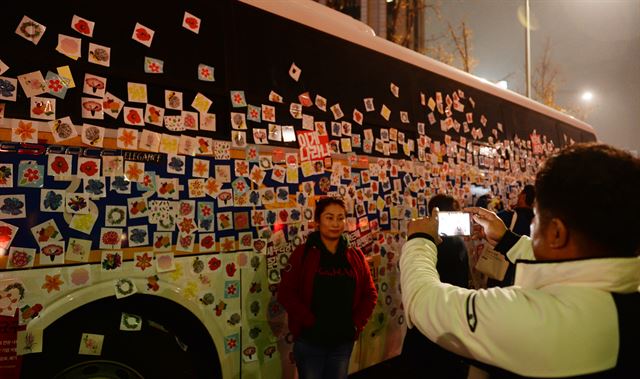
(560, 319)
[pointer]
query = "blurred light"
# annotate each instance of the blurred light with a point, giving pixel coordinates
(503, 84)
(587, 96)
(389, 1)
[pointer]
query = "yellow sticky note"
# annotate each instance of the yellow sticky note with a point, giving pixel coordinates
(65, 73)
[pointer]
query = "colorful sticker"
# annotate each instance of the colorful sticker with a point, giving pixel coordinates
(63, 129)
(88, 168)
(143, 261)
(91, 344)
(153, 65)
(165, 262)
(29, 341)
(111, 260)
(78, 250)
(79, 276)
(205, 73)
(154, 115)
(92, 108)
(24, 131)
(127, 138)
(33, 83)
(111, 105)
(143, 34)
(125, 287)
(52, 200)
(20, 257)
(8, 88)
(92, 135)
(133, 116)
(82, 25)
(52, 253)
(6, 175)
(130, 322)
(191, 22)
(99, 54)
(43, 108)
(83, 222)
(30, 30)
(111, 238)
(173, 100)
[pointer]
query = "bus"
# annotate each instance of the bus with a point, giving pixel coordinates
(159, 161)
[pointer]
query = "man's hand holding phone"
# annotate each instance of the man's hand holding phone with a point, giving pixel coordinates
(492, 225)
(428, 225)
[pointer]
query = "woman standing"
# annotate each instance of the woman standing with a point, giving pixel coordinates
(329, 295)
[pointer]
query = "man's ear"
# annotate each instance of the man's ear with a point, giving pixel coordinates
(557, 234)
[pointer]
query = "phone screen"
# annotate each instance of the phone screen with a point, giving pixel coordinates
(454, 224)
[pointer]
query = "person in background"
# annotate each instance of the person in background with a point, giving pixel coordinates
(574, 308)
(483, 201)
(419, 355)
(519, 219)
(329, 295)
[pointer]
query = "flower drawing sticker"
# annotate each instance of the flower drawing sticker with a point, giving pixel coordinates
(125, 287)
(30, 174)
(111, 238)
(165, 262)
(88, 168)
(43, 108)
(82, 25)
(79, 276)
(8, 88)
(52, 200)
(30, 30)
(153, 65)
(52, 283)
(143, 260)
(111, 260)
(91, 344)
(63, 129)
(138, 236)
(173, 100)
(115, 215)
(111, 105)
(100, 55)
(205, 73)
(21, 257)
(92, 108)
(52, 253)
(6, 175)
(191, 22)
(130, 322)
(78, 250)
(143, 34)
(94, 85)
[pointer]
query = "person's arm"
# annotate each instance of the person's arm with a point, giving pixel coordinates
(528, 332)
(368, 295)
(289, 291)
(515, 247)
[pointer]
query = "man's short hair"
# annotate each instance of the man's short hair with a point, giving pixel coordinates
(593, 189)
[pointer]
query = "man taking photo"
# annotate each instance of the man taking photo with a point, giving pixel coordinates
(574, 308)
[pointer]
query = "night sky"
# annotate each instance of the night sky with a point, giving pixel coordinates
(595, 44)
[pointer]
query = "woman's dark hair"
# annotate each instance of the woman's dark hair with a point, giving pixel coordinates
(324, 202)
(529, 192)
(593, 189)
(444, 203)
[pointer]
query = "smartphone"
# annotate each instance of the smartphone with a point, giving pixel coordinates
(454, 224)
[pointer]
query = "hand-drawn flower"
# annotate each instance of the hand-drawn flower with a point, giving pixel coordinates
(120, 183)
(186, 225)
(176, 164)
(52, 283)
(258, 218)
(127, 138)
(214, 263)
(55, 85)
(25, 130)
(231, 269)
(192, 22)
(12, 206)
(31, 174)
(143, 261)
(185, 209)
(5, 175)
(207, 242)
(112, 261)
(138, 236)
(94, 187)
(95, 84)
(20, 258)
(100, 54)
(52, 200)
(142, 34)
(59, 165)
(205, 72)
(6, 88)
(189, 121)
(52, 251)
(111, 238)
(154, 67)
(89, 168)
(133, 116)
(82, 26)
